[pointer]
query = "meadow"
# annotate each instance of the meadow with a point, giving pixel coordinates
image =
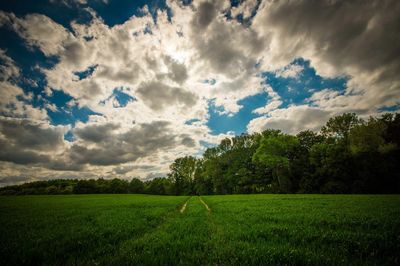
(211, 230)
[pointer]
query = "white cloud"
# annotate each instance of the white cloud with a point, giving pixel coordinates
(291, 120)
(8, 69)
(38, 30)
(338, 42)
(290, 71)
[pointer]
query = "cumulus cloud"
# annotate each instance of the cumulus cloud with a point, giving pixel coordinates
(28, 142)
(96, 133)
(38, 30)
(12, 103)
(290, 71)
(111, 147)
(291, 120)
(340, 38)
(158, 95)
(8, 69)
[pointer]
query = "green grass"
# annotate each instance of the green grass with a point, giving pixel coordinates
(239, 230)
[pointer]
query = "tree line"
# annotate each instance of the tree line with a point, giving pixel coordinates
(348, 155)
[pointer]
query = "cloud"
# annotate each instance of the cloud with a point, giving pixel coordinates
(178, 71)
(38, 30)
(291, 120)
(159, 96)
(28, 142)
(12, 180)
(95, 133)
(13, 103)
(290, 71)
(8, 69)
(31, 135)
(272, 105)
(246, 9)
(340, 38)
(112, 147)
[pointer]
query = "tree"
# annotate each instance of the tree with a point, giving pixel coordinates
(136, 186)
(182, 175)
(332, 168)
(275, 153)
(158, 186)
(86, 187)
(370, 137)
(308, 138)
(339, 127)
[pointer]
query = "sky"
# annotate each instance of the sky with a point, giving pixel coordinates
(108, 88)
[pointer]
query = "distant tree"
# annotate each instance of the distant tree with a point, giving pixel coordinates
(339, 127)
(275, 153)
(370, 137)
(182, 172)
(332, 168)
(308, 138)
(86, 187)
(158, 186)
(136, 186)
(52, 190)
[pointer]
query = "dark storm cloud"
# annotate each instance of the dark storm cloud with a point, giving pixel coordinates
(158, 95)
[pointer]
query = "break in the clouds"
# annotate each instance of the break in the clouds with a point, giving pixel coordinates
(110, 88)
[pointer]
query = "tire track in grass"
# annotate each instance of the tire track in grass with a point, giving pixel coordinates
(184, 206)
(167, 218)
(205, 204)
(182, 240)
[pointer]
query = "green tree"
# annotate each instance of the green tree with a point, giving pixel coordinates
(136, 186)
(182, 172)
(338, 127)
(158, 186)
(275, 152)
(370, 137)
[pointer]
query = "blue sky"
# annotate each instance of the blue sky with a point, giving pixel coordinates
(131, 83)
(292, 90)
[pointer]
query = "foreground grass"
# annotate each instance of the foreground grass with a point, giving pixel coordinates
(237, 229)
(306, 229)
(76, 229)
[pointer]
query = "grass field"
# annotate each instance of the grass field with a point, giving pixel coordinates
(237, 229)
